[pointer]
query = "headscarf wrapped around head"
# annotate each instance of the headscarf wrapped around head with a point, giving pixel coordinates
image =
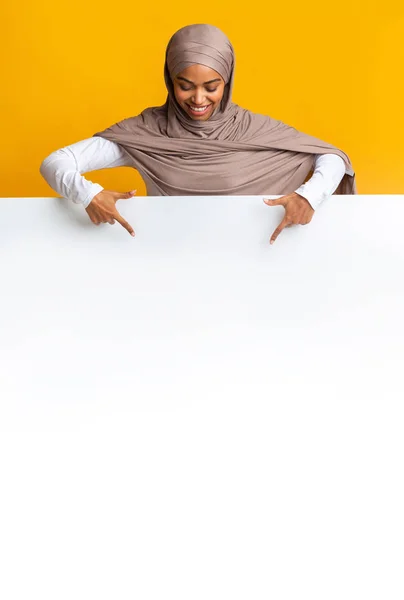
(234, 152)
(204, 45)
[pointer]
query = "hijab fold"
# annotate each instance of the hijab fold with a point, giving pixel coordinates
(234, 152)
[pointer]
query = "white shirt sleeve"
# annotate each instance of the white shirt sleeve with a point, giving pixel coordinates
(63, 168)
(329, 169)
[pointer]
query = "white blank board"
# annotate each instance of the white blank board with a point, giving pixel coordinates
(195, 413)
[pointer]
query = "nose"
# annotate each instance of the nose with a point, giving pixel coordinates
(198, 97)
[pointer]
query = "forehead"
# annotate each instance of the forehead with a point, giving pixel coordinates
(199, 74)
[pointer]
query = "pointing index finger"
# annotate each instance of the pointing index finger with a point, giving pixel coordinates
(277, 231)
(124, 223)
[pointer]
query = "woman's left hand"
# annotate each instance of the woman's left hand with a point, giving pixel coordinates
(298, 211)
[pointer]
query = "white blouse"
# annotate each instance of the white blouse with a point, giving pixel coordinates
(63, 170)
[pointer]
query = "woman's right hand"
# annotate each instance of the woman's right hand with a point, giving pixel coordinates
(102, 208)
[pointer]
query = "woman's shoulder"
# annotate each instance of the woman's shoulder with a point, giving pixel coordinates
(251, 123)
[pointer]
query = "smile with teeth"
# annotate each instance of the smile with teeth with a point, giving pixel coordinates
(199, 110)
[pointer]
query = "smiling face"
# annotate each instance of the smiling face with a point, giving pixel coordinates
(198, 90)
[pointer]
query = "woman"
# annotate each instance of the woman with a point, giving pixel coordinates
(201, 143)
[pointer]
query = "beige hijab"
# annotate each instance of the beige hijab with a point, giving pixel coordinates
(234, 152)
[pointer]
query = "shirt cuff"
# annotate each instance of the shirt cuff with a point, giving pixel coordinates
(96, 188)
(313, 198)
(328, 172)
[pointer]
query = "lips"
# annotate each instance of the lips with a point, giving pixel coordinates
(199, 112)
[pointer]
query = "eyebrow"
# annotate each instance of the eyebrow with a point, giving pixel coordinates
(206, 82)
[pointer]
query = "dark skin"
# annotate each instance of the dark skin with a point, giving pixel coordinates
(298, 211)
(196, 87)
(102, 209)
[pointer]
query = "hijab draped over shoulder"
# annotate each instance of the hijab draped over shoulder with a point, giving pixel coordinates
(234, 152)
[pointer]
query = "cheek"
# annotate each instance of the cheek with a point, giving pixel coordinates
(218, 96)
(180, 95)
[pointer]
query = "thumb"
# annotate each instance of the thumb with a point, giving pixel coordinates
(275, 202)
(126, 195)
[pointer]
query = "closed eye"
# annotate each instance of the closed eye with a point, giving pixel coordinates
(189, 89)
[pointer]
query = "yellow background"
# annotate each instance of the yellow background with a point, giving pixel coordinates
(332, 70)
